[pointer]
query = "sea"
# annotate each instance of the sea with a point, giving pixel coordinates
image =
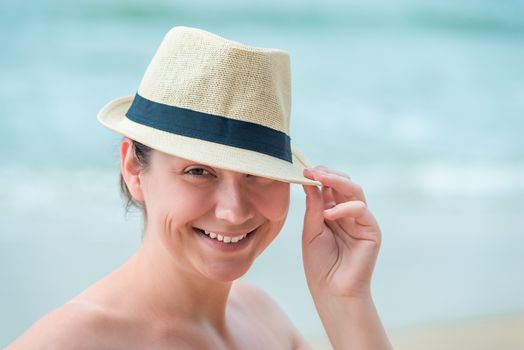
(420, 102)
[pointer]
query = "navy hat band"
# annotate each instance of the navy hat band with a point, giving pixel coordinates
(209, 127)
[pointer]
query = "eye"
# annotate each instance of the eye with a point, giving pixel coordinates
(198, 172)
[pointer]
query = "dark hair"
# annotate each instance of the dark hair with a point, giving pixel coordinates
(142, 154)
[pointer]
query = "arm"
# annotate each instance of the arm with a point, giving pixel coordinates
(340, 244)
(352, 324)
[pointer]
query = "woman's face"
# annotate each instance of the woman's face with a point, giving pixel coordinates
(191, 207)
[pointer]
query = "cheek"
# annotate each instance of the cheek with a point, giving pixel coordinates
(179, 204)
(273, 202)
(187, 204)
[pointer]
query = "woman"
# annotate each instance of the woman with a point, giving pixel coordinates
(207, 157)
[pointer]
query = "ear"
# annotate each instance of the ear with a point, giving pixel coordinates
(130, 168)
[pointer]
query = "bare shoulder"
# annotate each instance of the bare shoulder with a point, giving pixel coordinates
(264, 308)
(74, 325)
(260, 302)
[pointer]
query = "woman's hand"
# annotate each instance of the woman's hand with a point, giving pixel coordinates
(340, 245)
(341, 238)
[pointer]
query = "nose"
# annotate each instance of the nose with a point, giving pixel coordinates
(232, 202)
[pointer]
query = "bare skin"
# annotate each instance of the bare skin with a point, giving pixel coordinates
(340, 243)
(254, 321)
(178, 291)
(181, 291)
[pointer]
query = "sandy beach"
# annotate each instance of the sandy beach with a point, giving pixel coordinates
(497, 332)
(505, 332)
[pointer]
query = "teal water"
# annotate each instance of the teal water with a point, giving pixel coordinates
(422, 103)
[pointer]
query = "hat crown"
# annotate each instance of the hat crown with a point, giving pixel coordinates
(204, 72)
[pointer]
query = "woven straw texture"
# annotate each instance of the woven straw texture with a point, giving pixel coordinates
(204, 72)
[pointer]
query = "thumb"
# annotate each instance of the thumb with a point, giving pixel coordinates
(314, 215)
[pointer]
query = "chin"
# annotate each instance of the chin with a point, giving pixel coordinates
(226, 273)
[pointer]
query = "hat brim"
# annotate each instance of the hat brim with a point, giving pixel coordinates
(112, 115)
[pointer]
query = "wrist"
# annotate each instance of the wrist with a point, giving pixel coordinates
(354, 297)
(352, 322)
(330, 306)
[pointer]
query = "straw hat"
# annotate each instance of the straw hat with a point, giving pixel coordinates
(214, 101)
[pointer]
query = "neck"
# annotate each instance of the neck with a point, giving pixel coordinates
(165, 292)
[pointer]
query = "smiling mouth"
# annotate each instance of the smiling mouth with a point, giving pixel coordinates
(223, 238)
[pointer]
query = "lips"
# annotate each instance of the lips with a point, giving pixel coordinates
(228, 238)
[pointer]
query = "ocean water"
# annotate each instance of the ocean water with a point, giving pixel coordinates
(422, 103)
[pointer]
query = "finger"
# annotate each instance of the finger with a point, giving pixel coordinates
(356, 221)
(314, 214)
(327, 169)
(358, 232)
(336, 195)
(333, 197)
(340, 184)
(328, 196)
(352, 209)
(309, 173)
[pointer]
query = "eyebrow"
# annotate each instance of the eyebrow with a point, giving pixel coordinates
(182, 163)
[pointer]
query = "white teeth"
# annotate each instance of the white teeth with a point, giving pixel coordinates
(225, 239)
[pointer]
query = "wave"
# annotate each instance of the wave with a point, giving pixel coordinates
(444, 179)
(458, 17)
(28, 189)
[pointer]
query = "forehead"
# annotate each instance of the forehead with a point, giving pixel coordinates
(165, 161)
(170, 160)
